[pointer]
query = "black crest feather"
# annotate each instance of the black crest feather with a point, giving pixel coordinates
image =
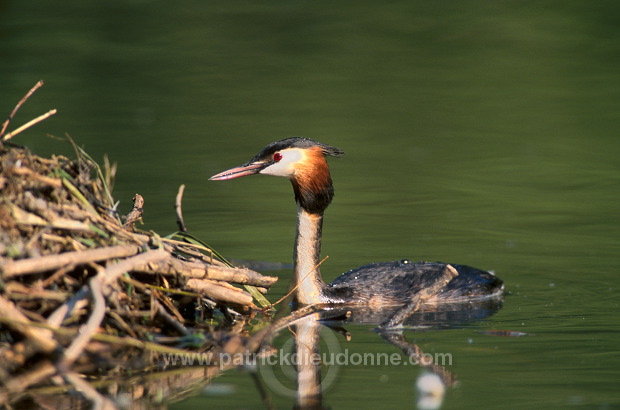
(295, 142)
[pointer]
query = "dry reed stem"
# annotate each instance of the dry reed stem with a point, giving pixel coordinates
(11, 316)
(178, 208)
(19, 267)
(124, 341)
(79, 343)
(219, 292)
(28, 125)
(113, 271)
(98, 401)
(298, 284)
(199, 270)
(41, 371)
(175, 322)
(38, 85)
(23, 171)
(64, 311)
(265, 335)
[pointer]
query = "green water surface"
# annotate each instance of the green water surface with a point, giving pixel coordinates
(483, 133)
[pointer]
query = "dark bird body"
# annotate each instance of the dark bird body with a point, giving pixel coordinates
(393, 283)
(302, 161)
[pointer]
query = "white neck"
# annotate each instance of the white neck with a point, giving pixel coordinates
(306, 255)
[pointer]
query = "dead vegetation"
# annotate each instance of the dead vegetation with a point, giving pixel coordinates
(82, 292)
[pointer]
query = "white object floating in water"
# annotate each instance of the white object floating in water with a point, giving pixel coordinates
(431, 391)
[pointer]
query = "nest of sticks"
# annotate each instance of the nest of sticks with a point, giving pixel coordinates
(83, 292)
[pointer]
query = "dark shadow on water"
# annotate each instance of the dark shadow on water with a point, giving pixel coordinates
(431, 317)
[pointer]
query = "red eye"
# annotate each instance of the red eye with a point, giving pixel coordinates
(277, 157)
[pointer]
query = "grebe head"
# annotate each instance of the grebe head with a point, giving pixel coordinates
(301, 160)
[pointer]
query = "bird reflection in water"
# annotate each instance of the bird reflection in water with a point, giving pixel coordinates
(319, 332)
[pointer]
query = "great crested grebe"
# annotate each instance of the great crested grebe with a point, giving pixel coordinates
(302, 161)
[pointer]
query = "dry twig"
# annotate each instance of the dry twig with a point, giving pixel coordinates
(38, 85)
(19, 267)
(177, 206)
(29, 124)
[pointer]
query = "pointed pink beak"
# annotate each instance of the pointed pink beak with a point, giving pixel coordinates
(243, 170)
